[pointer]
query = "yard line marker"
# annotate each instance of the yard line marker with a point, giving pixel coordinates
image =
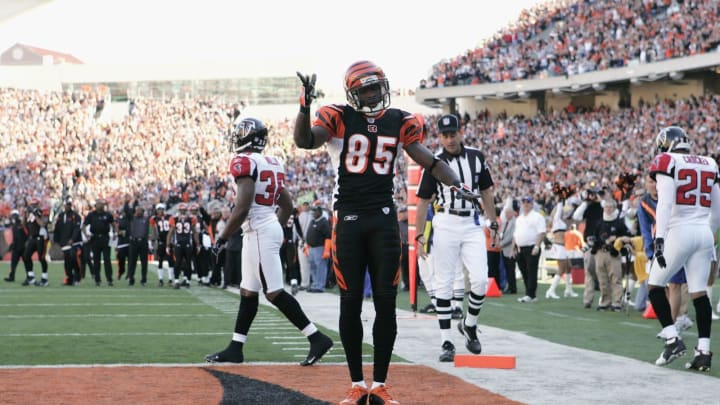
(113, 334)
(639, 325)
(167, 365)
(105, 304)
(284, 338)
(109, 316)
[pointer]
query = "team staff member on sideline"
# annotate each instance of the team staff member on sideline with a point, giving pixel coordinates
(318, 242)
(687, 217)
(98, 233)
(17, 246)
(459, 232)
(139, 233)
(261, 189)
(66, 235)
(364, 138)
(527, 239)
(591, 212)
(506, 241)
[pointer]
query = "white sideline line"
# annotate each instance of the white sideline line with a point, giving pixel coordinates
(294, 349)
(108, 304)
(304, 338)
(109, 316)
(113, 334)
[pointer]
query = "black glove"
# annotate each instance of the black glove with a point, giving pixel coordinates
(219, 246)
(659, 247)
(308, 93)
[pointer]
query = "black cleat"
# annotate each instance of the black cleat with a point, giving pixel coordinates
(457, 313)
(428, 309)
(701, 361)
(472, 343)
(42, 283)
(9, 279)
(448, 352)
(318, 347)
(226, 356)
(294, 289)
(674, 348)
(29, 281)
(160, 283)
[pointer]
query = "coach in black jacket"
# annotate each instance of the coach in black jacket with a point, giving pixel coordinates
(67, 235)
(100, 222)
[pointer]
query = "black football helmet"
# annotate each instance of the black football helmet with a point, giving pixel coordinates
(248, 133)
(672, 139)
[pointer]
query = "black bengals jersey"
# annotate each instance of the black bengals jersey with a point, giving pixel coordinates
(183, 229)
(363, 150)
(161, 223)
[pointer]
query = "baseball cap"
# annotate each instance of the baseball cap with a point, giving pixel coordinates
(317, 208)
(448, 123)
(68, 200)
(527, 199)
(14, 212)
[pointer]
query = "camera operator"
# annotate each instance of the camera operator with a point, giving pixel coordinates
(591, 212)
(607, 259)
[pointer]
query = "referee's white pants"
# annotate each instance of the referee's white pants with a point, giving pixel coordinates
(690, 246)
(457, 241)
(427, 275)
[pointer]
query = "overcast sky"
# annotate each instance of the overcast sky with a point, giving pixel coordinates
(404, 37)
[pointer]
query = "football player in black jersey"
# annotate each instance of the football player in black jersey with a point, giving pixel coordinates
(364, 138)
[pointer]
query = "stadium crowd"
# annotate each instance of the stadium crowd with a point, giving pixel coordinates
(564, 38)
(173, 151)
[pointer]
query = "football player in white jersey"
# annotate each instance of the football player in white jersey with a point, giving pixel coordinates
(260, 190)
(688, 214)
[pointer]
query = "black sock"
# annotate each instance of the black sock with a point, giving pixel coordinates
(475, 304)
(289, 306)
(246, 314)
(444, 312)
(703, 315)
(660, 304)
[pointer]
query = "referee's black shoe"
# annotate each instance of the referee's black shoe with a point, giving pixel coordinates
(472, 343)
(448, 352)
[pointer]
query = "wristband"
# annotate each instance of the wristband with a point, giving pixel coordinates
(305, 110)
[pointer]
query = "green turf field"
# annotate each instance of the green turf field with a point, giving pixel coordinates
(93, 325)
(103, 325)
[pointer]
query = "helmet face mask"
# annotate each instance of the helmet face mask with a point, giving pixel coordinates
(672, 139)
(367, 89)
(248, 133)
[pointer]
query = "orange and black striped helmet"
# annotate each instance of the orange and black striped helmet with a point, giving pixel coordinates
(364, 75)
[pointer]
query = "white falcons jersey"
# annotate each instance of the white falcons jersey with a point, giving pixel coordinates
(268, 173)
(694, 178)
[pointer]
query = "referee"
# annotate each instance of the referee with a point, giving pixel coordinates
(459, 236)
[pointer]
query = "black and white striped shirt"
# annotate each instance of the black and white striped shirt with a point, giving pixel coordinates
(470, 167)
